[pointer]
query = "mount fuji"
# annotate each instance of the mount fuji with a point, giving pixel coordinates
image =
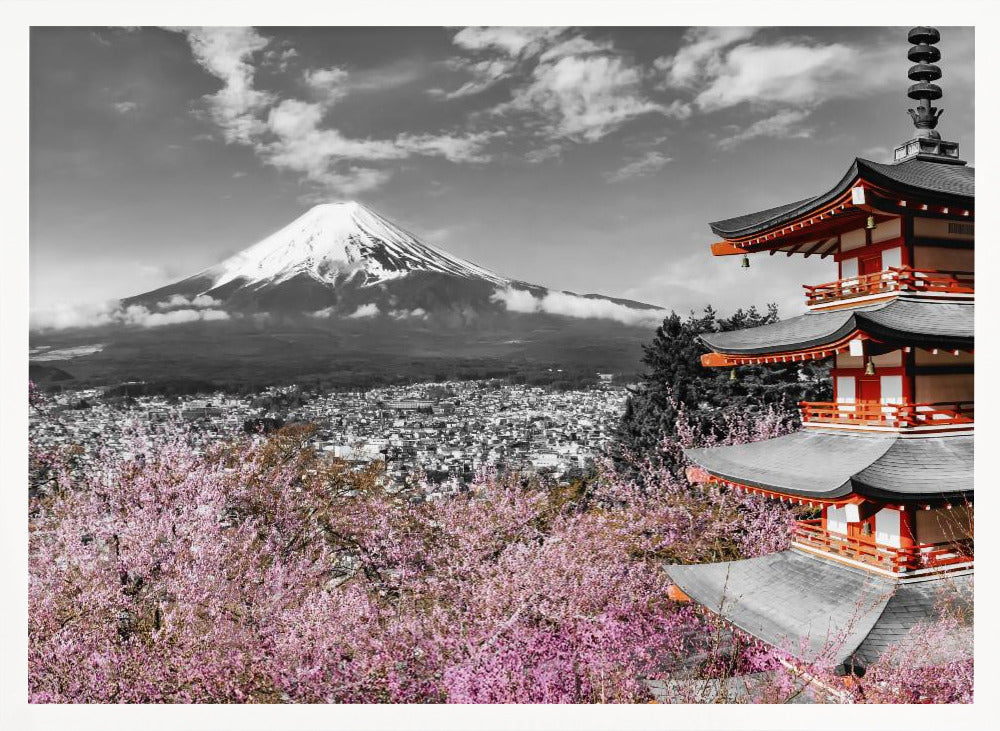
(345, 260)
(343, 293)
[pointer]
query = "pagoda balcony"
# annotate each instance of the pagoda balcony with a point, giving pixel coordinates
(892, 280)
(949, 415)
(921, 557)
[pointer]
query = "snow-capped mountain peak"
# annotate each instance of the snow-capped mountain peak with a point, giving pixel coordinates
(334, 239)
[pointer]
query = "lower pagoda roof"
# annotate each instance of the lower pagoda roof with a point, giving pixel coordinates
(814, 608)
(830, 465)
(904, 321)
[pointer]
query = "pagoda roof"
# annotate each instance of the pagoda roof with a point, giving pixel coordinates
(906, 321)
(951, 182)
(815, 608)
(831, 465)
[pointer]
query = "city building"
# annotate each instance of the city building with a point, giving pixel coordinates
(887, 466)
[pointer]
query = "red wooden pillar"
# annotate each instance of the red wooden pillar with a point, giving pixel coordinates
(907, 528)
(907, 229)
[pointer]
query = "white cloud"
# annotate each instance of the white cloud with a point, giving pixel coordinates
(62, 317)
(645, 165)
(785, 73)
(142, 317)
(575, 46)
(783, 124)
(484, 74)
(701, 54)
(516, 300)
(416, 314)
(366, 310)
(572, 305)
(544, 153)
(179, 300)
(226, 53)
(281, 59)
(455, 148)
(508, 48)
(580, 88)
(724, 68)
(294, 135)
(301, 145)
(125, 107)
(506, 40)
(330, 83)
(112, 313)
(586, 97)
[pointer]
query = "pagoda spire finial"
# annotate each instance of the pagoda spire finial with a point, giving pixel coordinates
(924, 54)
(926, 143)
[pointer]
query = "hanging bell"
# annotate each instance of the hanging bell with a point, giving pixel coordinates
(870, 223)
(745, 264)
(870, 368)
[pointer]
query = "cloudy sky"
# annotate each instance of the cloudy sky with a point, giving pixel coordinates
(583, 159)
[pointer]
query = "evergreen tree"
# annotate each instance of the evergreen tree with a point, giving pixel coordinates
(675, 378)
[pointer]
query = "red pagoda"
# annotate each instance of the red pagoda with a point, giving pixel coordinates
(887, 466)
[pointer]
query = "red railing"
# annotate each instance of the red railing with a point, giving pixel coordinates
(898, 416)
(810, 533)
(893, 279)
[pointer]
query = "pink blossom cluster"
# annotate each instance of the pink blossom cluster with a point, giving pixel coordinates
(261, 571)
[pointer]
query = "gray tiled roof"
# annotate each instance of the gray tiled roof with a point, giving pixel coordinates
(956, 183)
(924, 175)
(813, 607)
(903, 320)
(828, 464)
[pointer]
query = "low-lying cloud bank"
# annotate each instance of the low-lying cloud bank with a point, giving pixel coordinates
(184, 310)
(372, 310)
(572, 305)
(202, 301)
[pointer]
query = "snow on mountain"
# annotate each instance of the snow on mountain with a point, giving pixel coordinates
(335, 239)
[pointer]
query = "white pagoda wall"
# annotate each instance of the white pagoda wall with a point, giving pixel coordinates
(887, 524)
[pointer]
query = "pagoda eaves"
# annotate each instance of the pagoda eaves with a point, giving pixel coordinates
(812, 225)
